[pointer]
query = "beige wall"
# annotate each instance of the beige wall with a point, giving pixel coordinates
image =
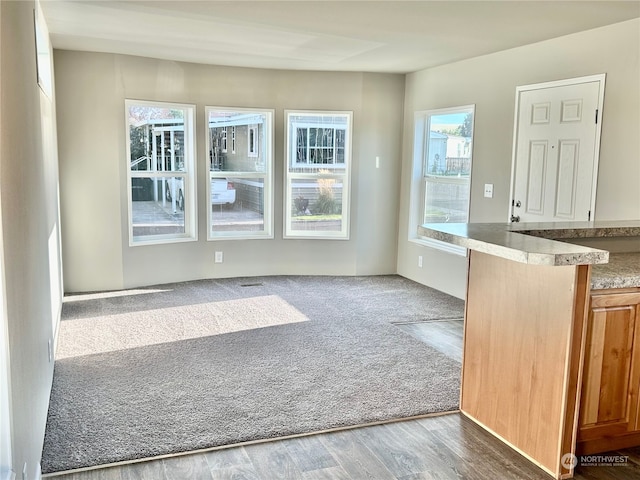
(91, 89)
(489, 82)
(29, 202)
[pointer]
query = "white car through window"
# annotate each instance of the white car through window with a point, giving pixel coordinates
(223, 192)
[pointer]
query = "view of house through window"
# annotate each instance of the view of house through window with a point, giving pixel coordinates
(240, 177)
(447, 165)
(317, 174)
(160, 165)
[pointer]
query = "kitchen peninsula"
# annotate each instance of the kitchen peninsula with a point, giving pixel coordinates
(551, 359)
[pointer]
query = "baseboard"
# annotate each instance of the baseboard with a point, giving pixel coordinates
(607, 444)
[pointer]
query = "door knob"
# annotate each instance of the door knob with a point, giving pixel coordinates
(515, 218)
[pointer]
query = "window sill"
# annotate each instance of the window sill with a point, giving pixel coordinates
(144, 241)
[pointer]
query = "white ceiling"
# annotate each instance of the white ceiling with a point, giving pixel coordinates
(367, 36)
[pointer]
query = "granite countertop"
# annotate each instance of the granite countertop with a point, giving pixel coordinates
(517, 242)
(564, 230)
(622, 271)
(533, 243)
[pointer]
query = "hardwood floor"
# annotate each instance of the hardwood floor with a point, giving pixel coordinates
(442, 335)
(436, 448)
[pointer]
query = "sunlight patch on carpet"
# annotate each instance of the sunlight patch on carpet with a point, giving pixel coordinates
(110, 333)
(81, 297)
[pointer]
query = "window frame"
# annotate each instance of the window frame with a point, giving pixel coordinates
(188, 175)
(340, 172)
(420, 179)
(267, 152)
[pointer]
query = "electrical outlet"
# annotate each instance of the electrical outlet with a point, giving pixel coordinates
(488, 190)
(219, 257)
(377, 162)
(420, 261)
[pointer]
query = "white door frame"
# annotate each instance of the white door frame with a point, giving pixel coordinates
(6, 418)
(5, 376)
(560, 83)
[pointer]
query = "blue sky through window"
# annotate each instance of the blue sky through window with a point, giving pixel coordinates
(452, 119)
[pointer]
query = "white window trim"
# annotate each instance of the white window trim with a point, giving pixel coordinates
(190, 209)
(337, 171)
(267, 174)
(418, 180)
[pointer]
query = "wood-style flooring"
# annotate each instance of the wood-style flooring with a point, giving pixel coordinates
(440, 447)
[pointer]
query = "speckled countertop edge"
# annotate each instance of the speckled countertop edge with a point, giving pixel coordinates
(532, 243)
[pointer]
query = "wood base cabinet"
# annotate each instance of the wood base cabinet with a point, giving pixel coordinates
(523, 342)
(609, 405)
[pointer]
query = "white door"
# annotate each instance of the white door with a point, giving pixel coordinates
(556, 145)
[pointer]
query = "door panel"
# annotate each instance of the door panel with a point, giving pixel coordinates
(536, 177)
(555, 152)
(566, 178)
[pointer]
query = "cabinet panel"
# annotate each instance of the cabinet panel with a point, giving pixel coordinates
(608, 366)
(523, 342)
(611, 376)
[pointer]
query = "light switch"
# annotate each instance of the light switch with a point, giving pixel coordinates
(488, 190)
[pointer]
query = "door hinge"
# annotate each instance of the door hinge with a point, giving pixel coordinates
(596, 116)
(589, 216)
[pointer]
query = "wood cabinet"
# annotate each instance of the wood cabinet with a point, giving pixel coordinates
(523, 346)
(609, 405)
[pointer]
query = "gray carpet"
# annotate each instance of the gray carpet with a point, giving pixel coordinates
(200, 364)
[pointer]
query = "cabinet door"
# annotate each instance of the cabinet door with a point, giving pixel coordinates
(609, 404)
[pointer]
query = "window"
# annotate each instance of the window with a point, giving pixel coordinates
(320, 145)
(240, 187)
(441, 188)
(223, 139)
(233, 139)
(160, 171)
(253, 146)
(318, 174)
